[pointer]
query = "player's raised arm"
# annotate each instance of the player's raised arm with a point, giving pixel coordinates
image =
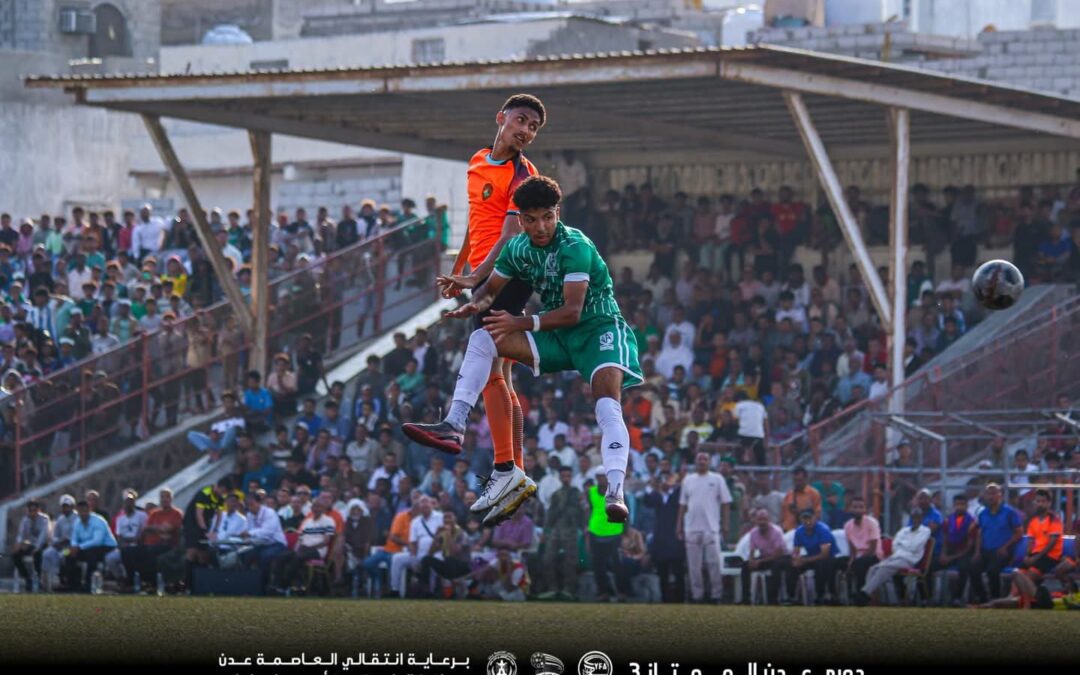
(453, 285)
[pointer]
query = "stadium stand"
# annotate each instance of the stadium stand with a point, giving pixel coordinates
(765, 308)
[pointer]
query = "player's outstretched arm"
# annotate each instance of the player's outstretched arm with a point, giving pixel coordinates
(511, 228)
(482, 298)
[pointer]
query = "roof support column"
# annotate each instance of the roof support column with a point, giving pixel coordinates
(833, 190)
(900, 135)
(225, 276)
(260, 249)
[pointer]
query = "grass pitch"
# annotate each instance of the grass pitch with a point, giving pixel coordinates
(197, 630)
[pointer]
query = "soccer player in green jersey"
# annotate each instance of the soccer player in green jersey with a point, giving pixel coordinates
(580, 328)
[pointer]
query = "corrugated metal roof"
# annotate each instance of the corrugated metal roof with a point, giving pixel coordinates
(658, 100)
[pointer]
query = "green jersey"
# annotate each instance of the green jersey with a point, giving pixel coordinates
(571, 256)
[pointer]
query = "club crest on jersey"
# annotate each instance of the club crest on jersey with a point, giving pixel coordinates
(488, 189)
(551, 266)
(607, 342)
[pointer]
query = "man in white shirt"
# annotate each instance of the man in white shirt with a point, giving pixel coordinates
(548, 485)
(149, 234)
(1022, 468)
(564, 452)
(908, 549)
(551, 427)
(78, 273)
(316, 534)
(704, 503)
(128, 526)
(753, 427)
(851, 353)
(229, 524)
(880, 386)
(264, 532)
(788, 309)
(421, 533)
(362, 450)
(389, 470)
(684, 327)
(228, 250)
(958, 286)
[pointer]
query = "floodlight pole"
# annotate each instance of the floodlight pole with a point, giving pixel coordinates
(900, 133)
(226, 277)
(260, 248)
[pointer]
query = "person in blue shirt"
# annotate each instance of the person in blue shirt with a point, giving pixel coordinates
(266, 475)
(309, 417)
(91, 540)
(258, 403)
(1000, 528)
(820, 555)
(933, 519)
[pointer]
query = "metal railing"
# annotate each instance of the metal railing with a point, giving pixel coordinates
(102, 404)
(1028, 365)
(888, 491)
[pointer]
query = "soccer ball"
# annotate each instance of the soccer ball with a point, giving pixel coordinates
(997, 284)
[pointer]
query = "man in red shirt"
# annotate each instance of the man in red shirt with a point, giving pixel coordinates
(493, 175)
(160, 536)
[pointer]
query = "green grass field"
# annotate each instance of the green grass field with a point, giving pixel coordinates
(197, 630)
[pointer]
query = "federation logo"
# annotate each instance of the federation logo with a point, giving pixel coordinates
(486, 192)
(595, 663)
(607, 342)
(501, 663)
(546, 664)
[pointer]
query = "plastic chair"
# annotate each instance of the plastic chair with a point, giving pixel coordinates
(731, 569)
(807, 589)
(918, 575)
(759, 588)
(1068, 548)
(320, 567)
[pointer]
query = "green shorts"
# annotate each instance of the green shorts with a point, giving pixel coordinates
(587, 347)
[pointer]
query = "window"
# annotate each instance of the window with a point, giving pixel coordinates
(277, 64)
(431, 50)
(111, 38)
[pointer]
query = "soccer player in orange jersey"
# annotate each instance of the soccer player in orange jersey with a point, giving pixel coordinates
(494, 173)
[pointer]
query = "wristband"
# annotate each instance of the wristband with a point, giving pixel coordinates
(536, 323)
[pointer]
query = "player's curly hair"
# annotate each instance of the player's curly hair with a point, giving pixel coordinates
(537, 192)
(526, 101)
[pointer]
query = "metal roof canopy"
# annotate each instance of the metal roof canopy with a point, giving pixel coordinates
(762, 102)
(722, 99)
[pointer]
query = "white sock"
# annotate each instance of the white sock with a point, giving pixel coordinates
(615, 443)
(473, 376)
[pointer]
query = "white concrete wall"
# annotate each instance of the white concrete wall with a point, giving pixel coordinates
(955, 18)
(55, 156)
(463, 43)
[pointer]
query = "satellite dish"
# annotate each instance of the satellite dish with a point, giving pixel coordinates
(227, 34)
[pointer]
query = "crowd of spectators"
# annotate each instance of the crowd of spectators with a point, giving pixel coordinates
(78, 293)
(741, 349)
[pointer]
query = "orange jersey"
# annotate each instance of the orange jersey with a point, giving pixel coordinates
(1040, 529)
(491, 189)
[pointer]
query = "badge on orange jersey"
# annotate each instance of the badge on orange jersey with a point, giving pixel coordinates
(488, 189)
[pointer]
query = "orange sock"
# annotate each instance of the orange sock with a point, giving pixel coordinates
(519, 431)
(500, 417)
